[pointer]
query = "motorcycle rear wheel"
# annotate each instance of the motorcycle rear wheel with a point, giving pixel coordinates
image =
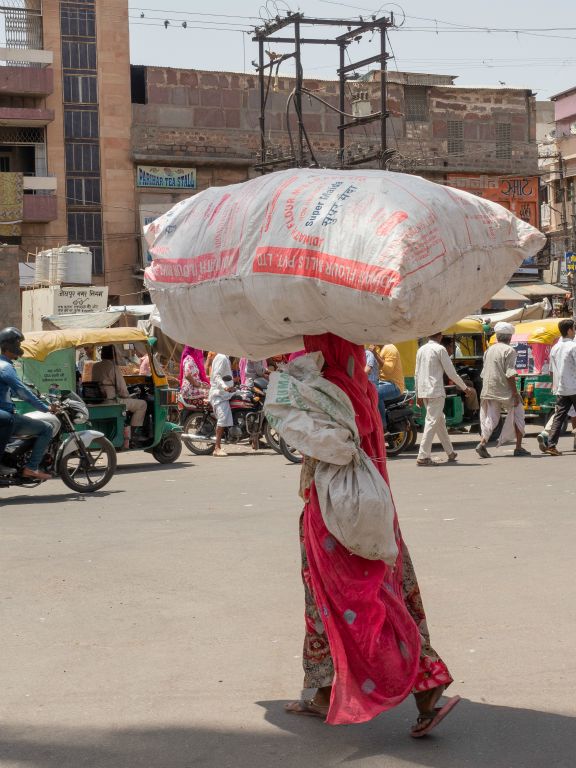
(199, 423)
(83, 478)
(398, 442)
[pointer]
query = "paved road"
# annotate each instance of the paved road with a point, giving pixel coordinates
(158, 623)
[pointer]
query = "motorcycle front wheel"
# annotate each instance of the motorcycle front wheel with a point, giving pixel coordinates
(292, 454)
(272, 438)
(84, 476)
(199, 423)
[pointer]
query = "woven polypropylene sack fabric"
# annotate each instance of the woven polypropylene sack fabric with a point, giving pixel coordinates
(368, 255)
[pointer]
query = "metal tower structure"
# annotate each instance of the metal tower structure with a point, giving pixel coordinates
(267, 34)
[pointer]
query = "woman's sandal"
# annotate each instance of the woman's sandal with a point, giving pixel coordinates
(433, 718)
(307, 707)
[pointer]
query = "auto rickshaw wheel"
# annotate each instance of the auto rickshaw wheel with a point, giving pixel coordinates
(168, 449)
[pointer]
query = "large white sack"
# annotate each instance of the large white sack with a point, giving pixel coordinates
(371, 256)
(317, 417)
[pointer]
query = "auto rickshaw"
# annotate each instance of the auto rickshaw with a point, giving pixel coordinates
(469, 343)
(533, 341)
(49, 364)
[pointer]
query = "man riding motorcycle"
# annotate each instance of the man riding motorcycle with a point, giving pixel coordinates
(10, 350)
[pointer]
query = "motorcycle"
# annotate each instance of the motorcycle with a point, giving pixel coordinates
(401, 433)
(250, 424)
(85, 461)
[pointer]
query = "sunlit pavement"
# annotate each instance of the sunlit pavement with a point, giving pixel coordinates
(159, 622)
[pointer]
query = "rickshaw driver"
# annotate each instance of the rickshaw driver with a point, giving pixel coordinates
(11, 350)
(107, 373)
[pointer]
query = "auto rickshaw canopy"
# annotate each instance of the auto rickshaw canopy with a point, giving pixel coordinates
(536, 331)
(465, 327)
(38, 345)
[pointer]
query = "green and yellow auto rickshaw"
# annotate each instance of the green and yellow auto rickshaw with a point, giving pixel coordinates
(50, 365)
(469, 344)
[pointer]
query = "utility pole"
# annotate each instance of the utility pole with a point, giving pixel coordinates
(301, 149)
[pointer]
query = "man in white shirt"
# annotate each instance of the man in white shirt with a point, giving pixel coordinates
(221, 388)
(499, 391)
(563, 370)
(432, 362)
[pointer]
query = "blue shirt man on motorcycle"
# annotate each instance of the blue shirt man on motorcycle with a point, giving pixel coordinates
(12, 423)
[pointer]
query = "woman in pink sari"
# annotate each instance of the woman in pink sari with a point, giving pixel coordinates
(198, 356)
(367, 644)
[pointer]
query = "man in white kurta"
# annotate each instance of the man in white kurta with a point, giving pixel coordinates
(432, 362)
(221, 388)
(499, 392)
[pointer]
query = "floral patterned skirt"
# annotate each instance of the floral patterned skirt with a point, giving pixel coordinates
(317, 660)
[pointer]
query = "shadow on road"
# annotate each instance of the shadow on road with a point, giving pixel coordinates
(475, 736)
(56, 498)
(124, 469)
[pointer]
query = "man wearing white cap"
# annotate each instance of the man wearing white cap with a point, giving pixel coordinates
(499, 392)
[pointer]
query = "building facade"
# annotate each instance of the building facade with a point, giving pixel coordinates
(207, 124)
(65, 148)
(558, 166)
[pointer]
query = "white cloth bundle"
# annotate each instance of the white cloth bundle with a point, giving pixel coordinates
(317, 417)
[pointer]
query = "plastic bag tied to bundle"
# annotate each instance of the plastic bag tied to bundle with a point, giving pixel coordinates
(317, 417)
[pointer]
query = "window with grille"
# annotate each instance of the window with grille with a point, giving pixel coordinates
(78, 55)
(455, 137)
(82, 158)
(77, 22)
(82, 191)
(503, 141)
(21, 135)
(4, 164)
(84, 227)
(80, 124)
(80, 89)
(416, 103)
(22, 24)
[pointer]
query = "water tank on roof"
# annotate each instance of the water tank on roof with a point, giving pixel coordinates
(66, 265)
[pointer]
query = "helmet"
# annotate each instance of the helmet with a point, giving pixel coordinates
(10, 339)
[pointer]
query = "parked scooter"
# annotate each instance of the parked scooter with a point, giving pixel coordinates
(401, 432)
(85, 461)
(250, 425)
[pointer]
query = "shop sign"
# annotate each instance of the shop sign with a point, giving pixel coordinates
(570, 260)
(517, 193)
(154, 177)
(149, 213)
(71, 301)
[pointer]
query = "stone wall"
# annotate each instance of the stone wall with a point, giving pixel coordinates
(201, 116)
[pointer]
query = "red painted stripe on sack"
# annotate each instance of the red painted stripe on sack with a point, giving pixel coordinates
(305, 262)
(200, 269)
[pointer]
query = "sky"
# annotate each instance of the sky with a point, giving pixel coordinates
(512, 42)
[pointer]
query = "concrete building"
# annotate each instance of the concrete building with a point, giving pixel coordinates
(205, 124)
(66, 170)
(558, 166)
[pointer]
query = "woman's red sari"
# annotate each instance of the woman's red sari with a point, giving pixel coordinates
(374, 641)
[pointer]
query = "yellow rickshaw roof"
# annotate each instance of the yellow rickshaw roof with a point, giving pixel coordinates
(465, 326)
(539, 331)
(40, 344)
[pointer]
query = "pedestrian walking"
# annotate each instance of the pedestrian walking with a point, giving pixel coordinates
(563, 370)
(499, 393)
(367, 644)
(432, 362)
(221, 388)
